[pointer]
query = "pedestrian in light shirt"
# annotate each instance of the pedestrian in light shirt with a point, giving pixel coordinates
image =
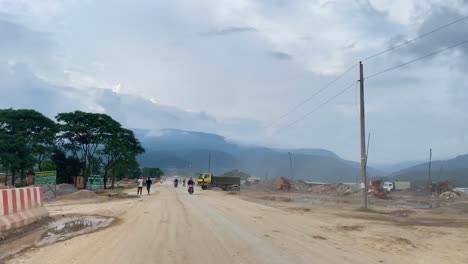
(140, 186)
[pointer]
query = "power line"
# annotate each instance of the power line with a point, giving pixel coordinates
(318, 107)
(415, 60)
(414, 39)
(368, 77)
(368, 58)
(312, 96)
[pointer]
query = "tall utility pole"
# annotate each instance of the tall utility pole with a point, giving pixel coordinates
(290, 166)
(363, 140)
(209, 162)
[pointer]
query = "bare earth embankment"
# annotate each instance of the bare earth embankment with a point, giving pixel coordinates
(170, 226)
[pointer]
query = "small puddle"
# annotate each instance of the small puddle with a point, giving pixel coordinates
(59, 230)
(416, 206)
(66, 228)
(305, 200)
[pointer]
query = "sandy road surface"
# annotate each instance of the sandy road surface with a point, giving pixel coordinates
(214, 227)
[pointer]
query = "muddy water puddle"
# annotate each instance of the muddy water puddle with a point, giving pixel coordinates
(56, 231)
(417, 206)
(66, 228)
(305, 201)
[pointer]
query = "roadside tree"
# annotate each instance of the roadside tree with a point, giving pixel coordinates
(26, 139)
(84, 134)
(120, 151)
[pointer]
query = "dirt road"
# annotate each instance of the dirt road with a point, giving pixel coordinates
(171, 226)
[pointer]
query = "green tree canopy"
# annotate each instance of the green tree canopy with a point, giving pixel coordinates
(121, 147)
(83, 134)
(26, 139)
(66, 166)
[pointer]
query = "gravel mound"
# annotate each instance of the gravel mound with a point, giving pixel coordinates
(82, 194)
(332, 189)
(62, 189)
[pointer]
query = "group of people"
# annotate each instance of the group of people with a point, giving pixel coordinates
(149, 182)
(189, 182)
(140, 185)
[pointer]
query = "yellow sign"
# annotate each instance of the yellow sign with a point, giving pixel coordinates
(46, 174)
(46, 177)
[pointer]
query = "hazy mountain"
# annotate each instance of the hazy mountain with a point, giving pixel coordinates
(316, 152)
(180, 151)
(454, 170)
(175, 139)
(395, 167)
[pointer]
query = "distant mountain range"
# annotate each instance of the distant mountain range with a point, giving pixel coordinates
(395, 167)
(187, 152)
(454, 170)
(179, 152)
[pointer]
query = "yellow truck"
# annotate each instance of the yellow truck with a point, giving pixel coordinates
(208, 181)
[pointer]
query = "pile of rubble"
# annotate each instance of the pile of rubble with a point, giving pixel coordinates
(376, 189)
(82, 194)
(62, 189)
(332, 189)
(450, 195)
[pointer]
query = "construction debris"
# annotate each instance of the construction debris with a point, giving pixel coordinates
(285, 185)
(376, 189)
(449, 195)
(332, 189)
(61, 190)
(440, 187)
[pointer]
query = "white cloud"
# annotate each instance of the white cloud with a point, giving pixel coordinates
(117, 88)
(229, 79)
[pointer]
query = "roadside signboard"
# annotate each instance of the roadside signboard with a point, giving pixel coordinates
(95, 182)
(46, 178)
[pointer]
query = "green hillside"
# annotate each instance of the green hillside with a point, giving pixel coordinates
(454, 170)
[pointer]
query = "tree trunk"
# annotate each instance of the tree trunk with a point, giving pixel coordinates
(13, 172)
(6, 179)
(88, 168)
(113, 177)
(39, 163)
(105, 177)
(6, 176)
(22, 177)
(85, 176)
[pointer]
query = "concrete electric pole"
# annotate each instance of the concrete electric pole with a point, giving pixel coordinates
(363, 140)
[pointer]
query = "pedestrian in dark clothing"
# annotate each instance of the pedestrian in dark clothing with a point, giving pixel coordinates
(148, 184)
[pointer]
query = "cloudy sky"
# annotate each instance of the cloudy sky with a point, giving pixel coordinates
(234, 67)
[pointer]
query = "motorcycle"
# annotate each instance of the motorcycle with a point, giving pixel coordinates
(176, 184)
(190, 189)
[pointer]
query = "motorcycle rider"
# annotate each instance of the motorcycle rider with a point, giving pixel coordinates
(176, 182)
(183, 182)
(190, 182)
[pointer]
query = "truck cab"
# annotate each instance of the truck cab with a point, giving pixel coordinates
(388, 186)
(204, 178)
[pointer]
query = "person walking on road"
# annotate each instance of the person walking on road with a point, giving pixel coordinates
(140, 186)
(148, 185)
